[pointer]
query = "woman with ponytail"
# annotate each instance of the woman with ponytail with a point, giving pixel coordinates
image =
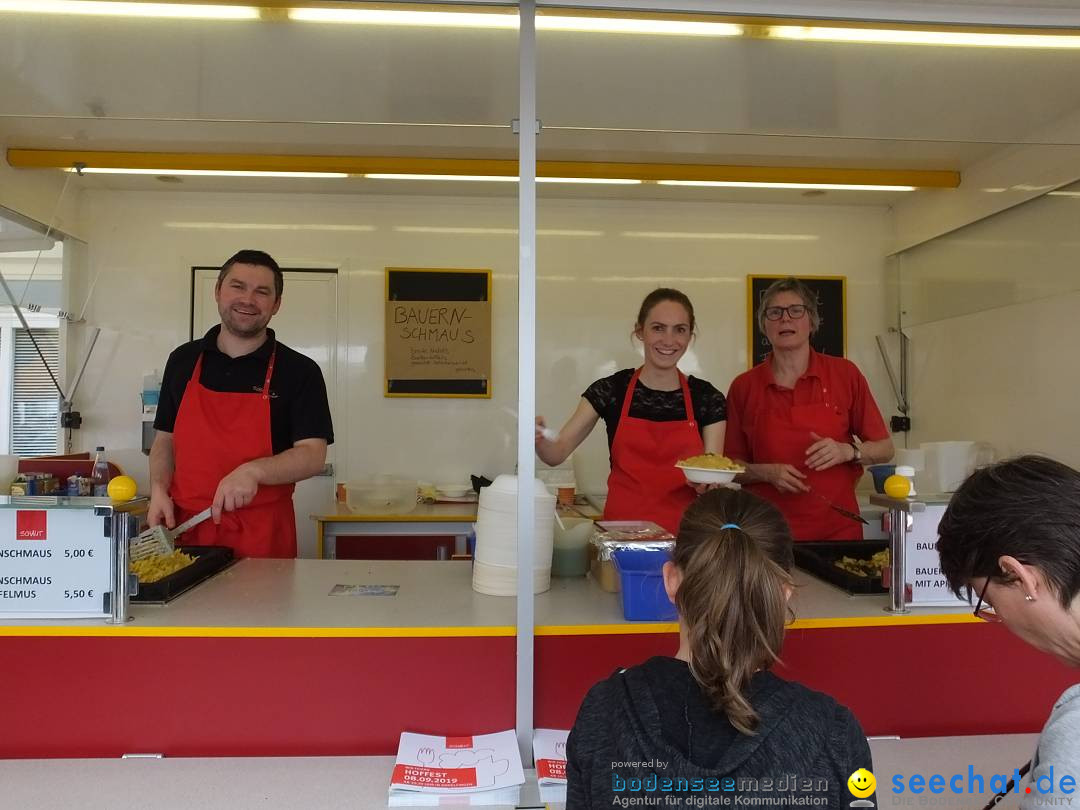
(714, 721)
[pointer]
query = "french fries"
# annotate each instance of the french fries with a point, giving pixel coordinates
(863, 567)
(709, 461)
(151, 569)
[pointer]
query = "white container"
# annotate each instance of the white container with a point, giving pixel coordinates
(914, 458)
(495, 560)
(948, 464)
(381, 495)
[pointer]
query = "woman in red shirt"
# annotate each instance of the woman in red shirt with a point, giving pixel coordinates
(804, 423)
(655, 416)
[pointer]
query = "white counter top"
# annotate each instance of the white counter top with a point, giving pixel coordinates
(274, 597)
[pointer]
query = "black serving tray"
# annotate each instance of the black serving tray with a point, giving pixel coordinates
(208, 561)
(818, 558)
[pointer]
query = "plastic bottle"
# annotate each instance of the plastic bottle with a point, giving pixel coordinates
(151, 391)
(100, 475)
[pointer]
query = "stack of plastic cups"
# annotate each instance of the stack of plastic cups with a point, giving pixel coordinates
(495, 557)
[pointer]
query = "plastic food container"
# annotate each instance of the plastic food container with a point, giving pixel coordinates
(381, 495)
(643, 596)
(616, 535)
(571, 547)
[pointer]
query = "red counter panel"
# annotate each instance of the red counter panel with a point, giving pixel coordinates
(103, 697)
(922, 680)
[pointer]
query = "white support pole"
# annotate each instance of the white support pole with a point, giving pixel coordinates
(526, 406)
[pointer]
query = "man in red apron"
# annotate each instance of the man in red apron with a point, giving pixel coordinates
(795, 419)
(241, 418)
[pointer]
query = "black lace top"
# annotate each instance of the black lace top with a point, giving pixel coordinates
(606, 396)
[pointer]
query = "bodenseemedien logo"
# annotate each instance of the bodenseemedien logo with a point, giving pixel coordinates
(861, 784)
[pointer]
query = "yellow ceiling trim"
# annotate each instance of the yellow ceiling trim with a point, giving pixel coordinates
(755, 25)
(350, 164)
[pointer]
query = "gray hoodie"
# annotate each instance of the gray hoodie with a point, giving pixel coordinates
(646, 737)
(1058, 755)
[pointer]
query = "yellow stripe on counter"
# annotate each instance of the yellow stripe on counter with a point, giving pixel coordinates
(643, 628)
(884, 620)
(648, 628)
(639, 628)
(257, 632)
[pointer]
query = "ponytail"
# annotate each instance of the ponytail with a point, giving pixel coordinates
(734, 553)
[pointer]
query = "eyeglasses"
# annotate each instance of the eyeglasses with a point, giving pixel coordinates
(985, 612)
(795, 311)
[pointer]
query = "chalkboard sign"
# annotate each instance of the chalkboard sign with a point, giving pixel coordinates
(438, 332)
(831, 336)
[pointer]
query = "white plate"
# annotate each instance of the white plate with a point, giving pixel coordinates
(454, 490)
(709, 475)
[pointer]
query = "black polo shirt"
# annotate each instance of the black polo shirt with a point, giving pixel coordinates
(299, 408)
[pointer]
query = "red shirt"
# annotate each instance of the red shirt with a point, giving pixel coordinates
(770, 424)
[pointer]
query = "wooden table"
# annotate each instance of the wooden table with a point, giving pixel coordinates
(426, 520)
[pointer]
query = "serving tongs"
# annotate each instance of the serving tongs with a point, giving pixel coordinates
(160, 539)
(849, 515)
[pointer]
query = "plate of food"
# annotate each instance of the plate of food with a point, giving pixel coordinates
(709, 468)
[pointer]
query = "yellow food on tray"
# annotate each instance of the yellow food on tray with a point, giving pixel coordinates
(709, 461)
(151, 569)
(862, 567)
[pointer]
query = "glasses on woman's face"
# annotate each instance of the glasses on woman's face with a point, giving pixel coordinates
(985, 611)
(795, 311)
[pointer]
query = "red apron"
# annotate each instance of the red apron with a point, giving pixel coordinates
(781, 437)
(215, 433)
(644, 483)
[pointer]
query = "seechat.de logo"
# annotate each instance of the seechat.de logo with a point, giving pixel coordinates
(861, 784)
(31, 524)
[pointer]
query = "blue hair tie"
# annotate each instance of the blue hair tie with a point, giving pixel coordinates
(731, 526)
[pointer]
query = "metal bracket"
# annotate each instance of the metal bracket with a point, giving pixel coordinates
(515, 126)
(899, 386)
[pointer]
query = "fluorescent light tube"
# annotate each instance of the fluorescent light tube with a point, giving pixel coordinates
(882, 36)
(204, 172)
(201, 11)
(504, 178)
(371, 16)
(509, 21)
(823, 186)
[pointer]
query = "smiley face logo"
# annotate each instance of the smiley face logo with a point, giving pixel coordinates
(861, 783)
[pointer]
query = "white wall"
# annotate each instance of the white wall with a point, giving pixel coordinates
(591, 280)
(991, 313)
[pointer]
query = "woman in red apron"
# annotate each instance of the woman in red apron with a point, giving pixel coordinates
(804, 423)
(215, 433)
(655, 416)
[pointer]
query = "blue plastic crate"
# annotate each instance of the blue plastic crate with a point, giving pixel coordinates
(642, 578)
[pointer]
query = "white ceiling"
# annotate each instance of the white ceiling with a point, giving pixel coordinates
(279, 87)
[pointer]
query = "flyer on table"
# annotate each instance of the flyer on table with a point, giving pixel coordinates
(429, 764)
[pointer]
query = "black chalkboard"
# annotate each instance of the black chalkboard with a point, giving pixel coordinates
(831, 337)
(446, 346)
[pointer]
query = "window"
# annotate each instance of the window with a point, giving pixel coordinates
(35, 403)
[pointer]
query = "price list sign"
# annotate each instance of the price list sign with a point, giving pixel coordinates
(54, 563)
(928, 585)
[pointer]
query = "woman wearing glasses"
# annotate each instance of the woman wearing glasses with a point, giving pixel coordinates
(1011, 534)
(655, 415)
(804, 423)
